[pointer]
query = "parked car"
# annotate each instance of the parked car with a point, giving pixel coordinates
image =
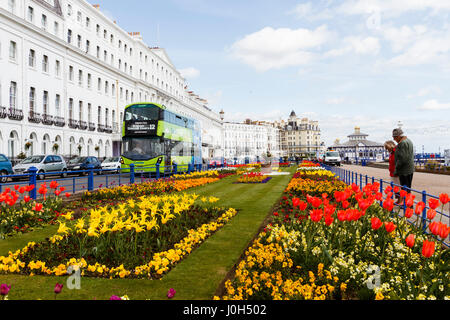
(44, 165)
(82, 163)
(112, 164)
(332, 158)
(5, 168)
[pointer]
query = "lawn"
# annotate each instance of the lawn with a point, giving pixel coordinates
(196, 278)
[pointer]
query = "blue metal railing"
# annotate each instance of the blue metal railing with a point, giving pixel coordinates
(94, 179)
(350, 177)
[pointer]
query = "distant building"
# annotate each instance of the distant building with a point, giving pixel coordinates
(250, 140)
(359, 147)
(300, 137)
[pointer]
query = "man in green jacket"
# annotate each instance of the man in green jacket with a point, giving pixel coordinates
(404, 159)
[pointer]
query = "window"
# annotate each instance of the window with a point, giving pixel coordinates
(44, 22)
(58, 68)
(69, 10)
(30, 14)
(99, 115)
(56, 28)
(98, 52)
(89, 81)
(69, 36)
(32, 99)
(58, 105)
(106, 116)
(80, 111)
(105, 55)
(88, 46)
(106, 87)
(13, 94)
(112, 38)
(45, 63)
(12, 5)
(70, 73)
(88, 22)
(89, 113)
(79, 41)
(80, 78)
(98, 30)
(45, 103)
(113, 90)
(71, 109)
(79, 16)
(12, 51)
(99, 84)
(120, 44)
(32, 58)
(105, 34)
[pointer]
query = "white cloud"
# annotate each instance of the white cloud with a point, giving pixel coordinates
(272, 115)
(311, 12)
(279, 48)
(190, 73)
(434, 105)
(357, 45)
(425, 92)
(400, 38)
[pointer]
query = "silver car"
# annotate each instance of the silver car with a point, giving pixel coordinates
(44, 165)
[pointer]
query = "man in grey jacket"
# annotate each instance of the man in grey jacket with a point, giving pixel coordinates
(404, 159)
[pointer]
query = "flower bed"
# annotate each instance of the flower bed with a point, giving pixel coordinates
(344, 245)
(253, 177)
(21, 216)
(142, 238)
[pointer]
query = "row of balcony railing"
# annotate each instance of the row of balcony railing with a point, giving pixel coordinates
(49, 120)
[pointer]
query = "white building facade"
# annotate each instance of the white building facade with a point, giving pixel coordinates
(67, 72)
(251, 141)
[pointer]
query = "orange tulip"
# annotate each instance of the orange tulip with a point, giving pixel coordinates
(390, 227)
(428, 248)
(431, 214)
(376, 223)
(410, 240)
(444, 198)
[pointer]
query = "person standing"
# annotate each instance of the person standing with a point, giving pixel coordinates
(391, 148)
(404, 159)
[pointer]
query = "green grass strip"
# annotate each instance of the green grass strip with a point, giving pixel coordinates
(196, 278)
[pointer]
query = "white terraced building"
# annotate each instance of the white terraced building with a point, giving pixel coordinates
(251, 140)
(67, 72)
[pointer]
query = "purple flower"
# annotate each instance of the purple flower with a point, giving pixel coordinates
(115, 298)
(4, 289)
(171, 293)
(58, 288)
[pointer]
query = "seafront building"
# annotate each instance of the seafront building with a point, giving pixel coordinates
(359, 147)
(68, 71)
(250, 141)
(300, 137)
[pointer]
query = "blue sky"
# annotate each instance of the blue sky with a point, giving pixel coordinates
(344, 63)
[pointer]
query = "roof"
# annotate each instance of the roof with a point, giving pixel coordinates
(355, 143)
(293, 114)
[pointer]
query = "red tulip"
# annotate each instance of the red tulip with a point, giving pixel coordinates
(410, 240)
(433, 203)
(276, 214)
(329, 220)
(444, 231)
(316, 215)
(431, 214)
(376, 223)
(67, 195)
(403, 193)
(444, 198)
(58, 288)
(57, 193)
(390, 227)
(434, 228)
(409, 212)
(22, 190)
(419, 208)
(38, 207)
(295, 202)
(388, 204)
(396, 189)
(54, 185)
(26, 199)
(428, 248)
(345, 204)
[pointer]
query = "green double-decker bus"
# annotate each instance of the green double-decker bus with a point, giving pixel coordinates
(153, 135)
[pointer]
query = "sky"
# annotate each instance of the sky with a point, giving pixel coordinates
(344, 63)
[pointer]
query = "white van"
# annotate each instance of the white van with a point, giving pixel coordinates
(332, 158)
